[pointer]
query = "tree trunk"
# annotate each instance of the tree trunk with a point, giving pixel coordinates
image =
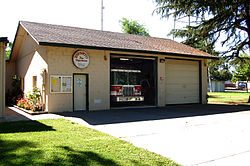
(249, 99)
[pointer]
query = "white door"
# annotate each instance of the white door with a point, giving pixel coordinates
(79, 92)
(182, 82)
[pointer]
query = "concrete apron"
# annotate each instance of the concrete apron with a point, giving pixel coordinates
(204, 140)
(218, 139)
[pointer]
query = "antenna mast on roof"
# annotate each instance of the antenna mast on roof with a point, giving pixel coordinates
(102, 7)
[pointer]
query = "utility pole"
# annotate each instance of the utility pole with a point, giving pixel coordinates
(102, 15)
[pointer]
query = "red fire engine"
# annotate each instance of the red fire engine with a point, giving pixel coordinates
(125, 85)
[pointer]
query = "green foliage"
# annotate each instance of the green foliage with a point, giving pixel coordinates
(15, 93)
(219, 70)
(8, 51)
(133, 27)
(34, 96)
(212, 19)
(242, 67)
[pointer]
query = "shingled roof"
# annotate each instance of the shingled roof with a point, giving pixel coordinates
(58, 35)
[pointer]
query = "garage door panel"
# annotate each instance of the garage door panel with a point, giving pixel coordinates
(187, 68)
(183, 100)
(184, 94)
(182, 81)
(183, 88)
(182, 78)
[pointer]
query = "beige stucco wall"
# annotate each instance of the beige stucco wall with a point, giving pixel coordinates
(37, 65)
(31, 61)
(2, 78)
(204, 81)
(60, 63)
(25, 55)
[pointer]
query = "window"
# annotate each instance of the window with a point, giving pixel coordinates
(22, 84)
(60, 84)
(34, 81)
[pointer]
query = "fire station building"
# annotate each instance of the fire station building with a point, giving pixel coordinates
(83, 69)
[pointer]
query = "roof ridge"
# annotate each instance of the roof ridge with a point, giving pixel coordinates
(95, 30)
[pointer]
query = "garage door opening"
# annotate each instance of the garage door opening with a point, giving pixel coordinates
(132, 81)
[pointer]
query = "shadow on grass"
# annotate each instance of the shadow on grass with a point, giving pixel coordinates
(23, 126)
(27, 153)
(18, 152)
(75, 157)
(213, 96)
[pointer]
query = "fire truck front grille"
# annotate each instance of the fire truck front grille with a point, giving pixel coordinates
(128, 91)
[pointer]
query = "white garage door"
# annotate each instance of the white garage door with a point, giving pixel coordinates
(182, 81)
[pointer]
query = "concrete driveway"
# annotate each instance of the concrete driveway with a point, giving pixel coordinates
(188, 134)
(203, 135)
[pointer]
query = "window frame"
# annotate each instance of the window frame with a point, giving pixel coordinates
(34, 81)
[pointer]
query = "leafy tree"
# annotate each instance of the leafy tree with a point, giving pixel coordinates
(219, 70)
(133, 27)
(8, 51)
(213, 18)
(242, 68)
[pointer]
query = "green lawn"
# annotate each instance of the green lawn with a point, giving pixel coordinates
(229, 97)
(62, 142)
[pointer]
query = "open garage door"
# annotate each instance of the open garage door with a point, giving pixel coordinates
(133, 81)
(182, 81)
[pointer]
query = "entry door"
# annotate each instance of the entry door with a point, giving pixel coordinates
(182, 81)
(79, 92)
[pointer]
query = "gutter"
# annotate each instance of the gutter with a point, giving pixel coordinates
(123, 50)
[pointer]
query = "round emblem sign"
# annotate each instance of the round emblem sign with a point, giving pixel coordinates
(81, 59)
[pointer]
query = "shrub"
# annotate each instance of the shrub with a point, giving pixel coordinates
(32, 101)
(24, 103)
(34, 96)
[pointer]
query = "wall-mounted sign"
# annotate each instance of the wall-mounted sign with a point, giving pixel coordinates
(81, 59)
(60, 84)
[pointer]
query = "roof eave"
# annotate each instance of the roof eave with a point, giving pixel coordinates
(16, 35)
(123, 50)
(13, 46)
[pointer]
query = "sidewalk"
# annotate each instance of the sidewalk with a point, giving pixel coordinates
(14, 114)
